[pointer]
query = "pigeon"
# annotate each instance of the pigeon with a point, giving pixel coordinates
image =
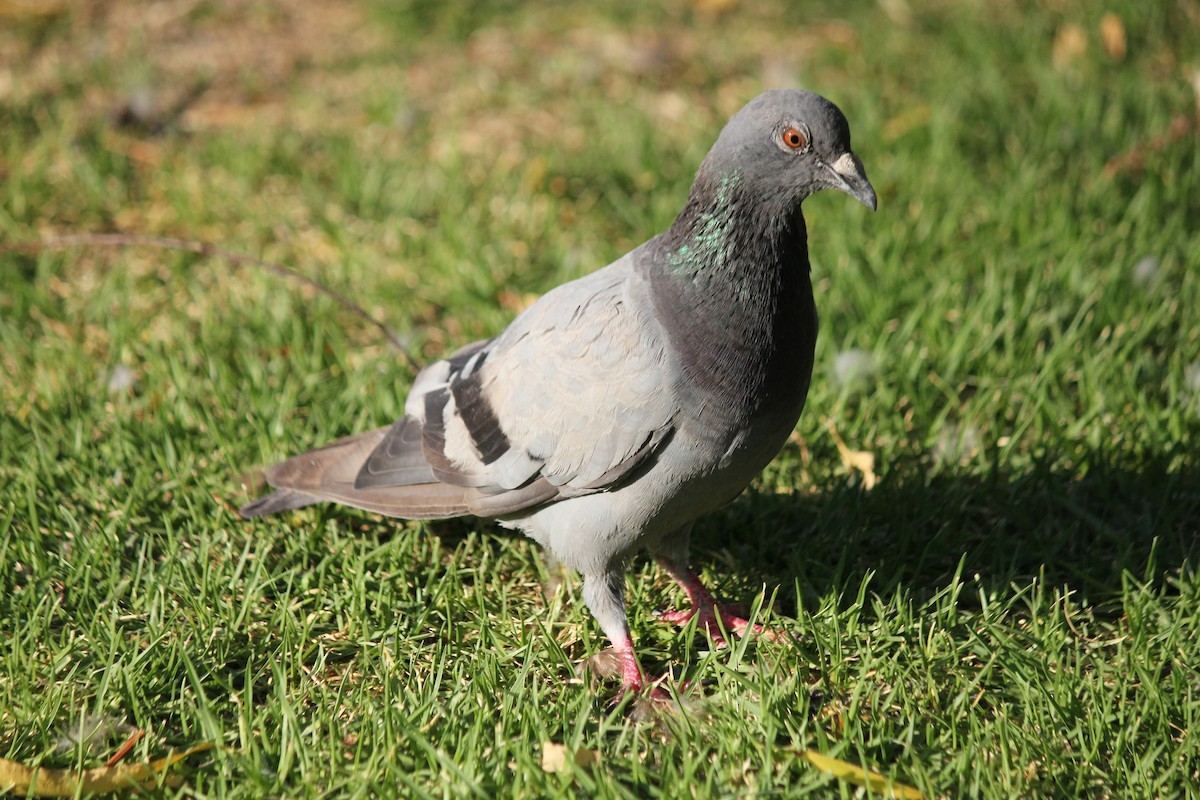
(621, 406)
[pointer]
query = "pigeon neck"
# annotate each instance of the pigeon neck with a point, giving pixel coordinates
(730, 278)
(733, 252)
(703, 237)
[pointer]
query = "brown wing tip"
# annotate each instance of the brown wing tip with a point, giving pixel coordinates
(282, 500)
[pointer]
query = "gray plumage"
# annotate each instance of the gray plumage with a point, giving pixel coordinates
(621, 406)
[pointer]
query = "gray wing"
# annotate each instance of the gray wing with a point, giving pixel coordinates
(569, 400)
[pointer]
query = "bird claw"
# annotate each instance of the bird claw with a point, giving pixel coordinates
(657, 699)
(648, 696)
(716, 621)
(679, 618)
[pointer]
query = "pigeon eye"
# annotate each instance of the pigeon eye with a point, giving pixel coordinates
(794, 138)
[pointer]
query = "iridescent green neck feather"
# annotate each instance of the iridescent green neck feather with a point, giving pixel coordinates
(705, 243)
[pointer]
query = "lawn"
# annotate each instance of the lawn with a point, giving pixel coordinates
(985, 533)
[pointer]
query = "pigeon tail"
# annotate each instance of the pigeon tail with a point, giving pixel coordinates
(282, 500)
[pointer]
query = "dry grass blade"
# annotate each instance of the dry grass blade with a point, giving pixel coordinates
(125, 749)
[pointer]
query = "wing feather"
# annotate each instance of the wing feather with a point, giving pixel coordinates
(571, 399)
(575, 388)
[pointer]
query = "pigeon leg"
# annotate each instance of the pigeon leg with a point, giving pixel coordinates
(711, 617)
(605, 596)
(633, 678)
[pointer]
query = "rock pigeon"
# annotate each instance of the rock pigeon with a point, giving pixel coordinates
(622, 406)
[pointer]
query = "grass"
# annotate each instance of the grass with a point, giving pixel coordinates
(1012, 610)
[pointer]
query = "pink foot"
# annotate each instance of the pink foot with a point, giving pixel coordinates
(709, 614)
(713, 619)
(620, 662)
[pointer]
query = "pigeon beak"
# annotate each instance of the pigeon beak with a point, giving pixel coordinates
(847, 174)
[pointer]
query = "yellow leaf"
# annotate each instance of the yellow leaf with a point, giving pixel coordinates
(1070, 44)
(557, 758)
(42, 782)
(1112, 34)
(844, 770)
(861, 461)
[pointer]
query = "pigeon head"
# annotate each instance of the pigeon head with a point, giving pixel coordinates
(784, 145)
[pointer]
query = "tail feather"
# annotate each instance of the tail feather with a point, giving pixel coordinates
(329, 473)
(282, 500)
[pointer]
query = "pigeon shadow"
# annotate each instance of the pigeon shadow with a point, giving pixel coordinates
(1084, 529)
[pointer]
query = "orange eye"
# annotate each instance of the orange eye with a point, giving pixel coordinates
(794, 139)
